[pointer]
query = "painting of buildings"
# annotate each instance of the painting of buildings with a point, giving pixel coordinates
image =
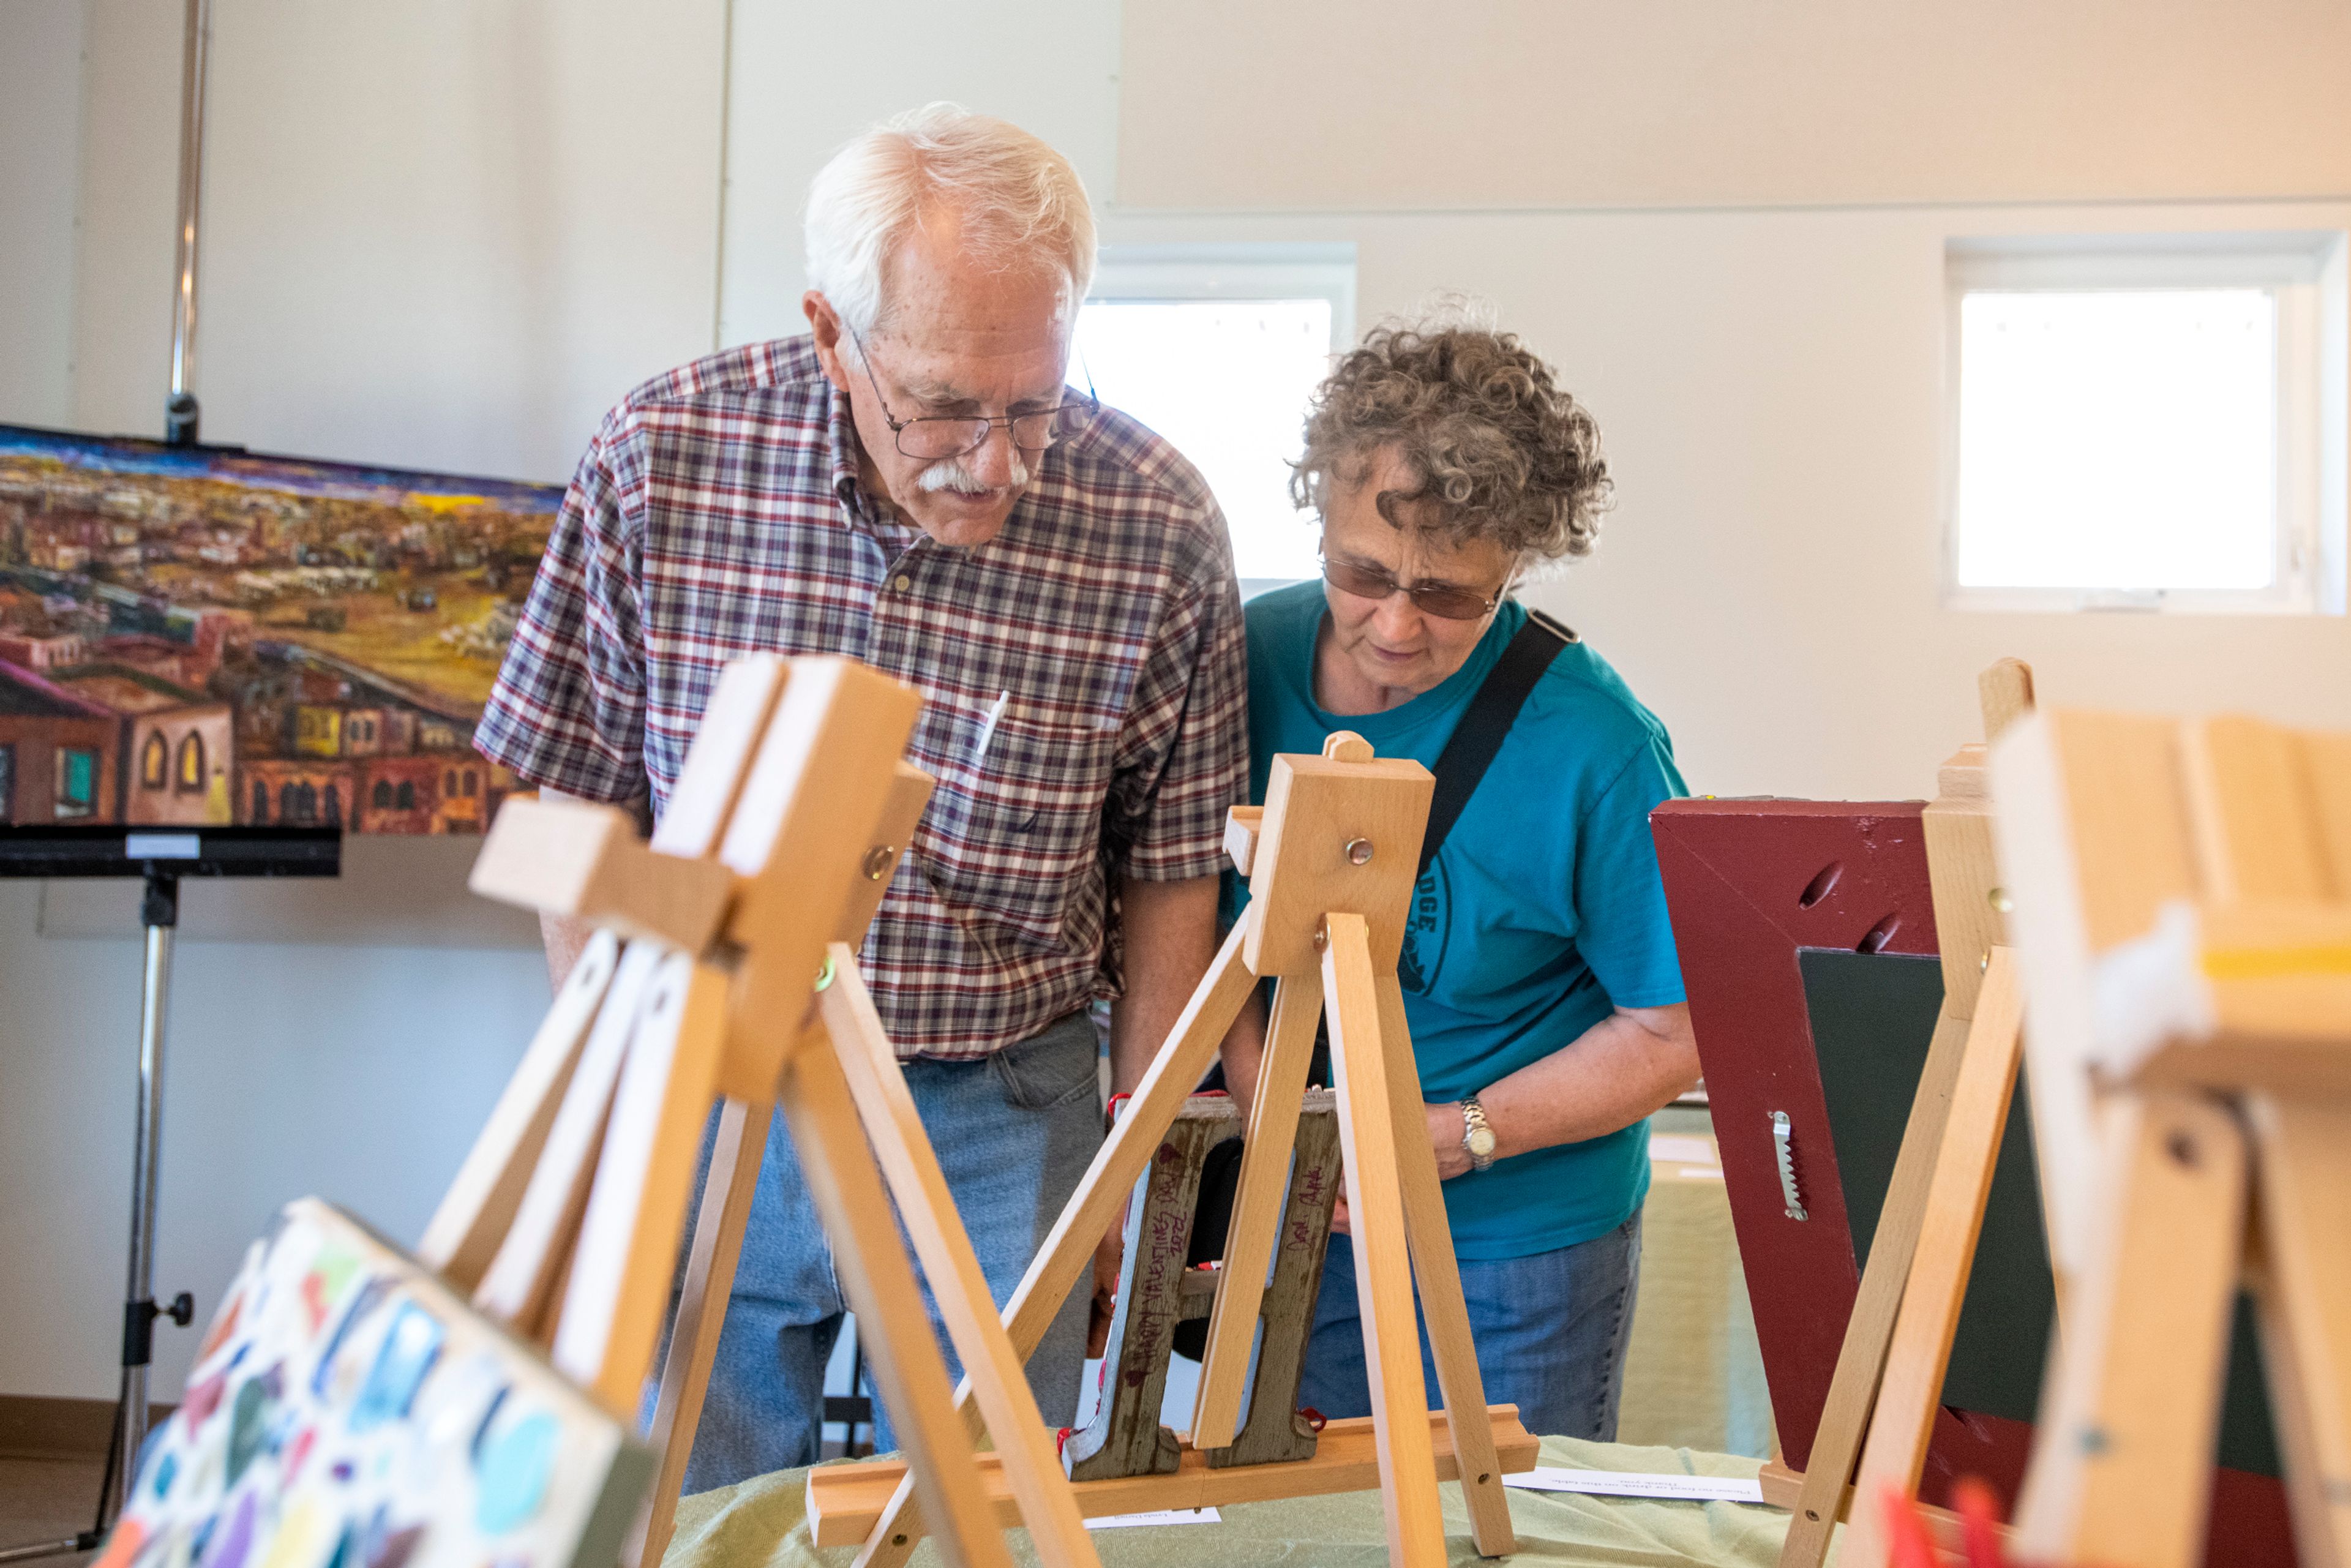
(194, 635)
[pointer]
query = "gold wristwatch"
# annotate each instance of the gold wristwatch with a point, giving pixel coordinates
(1477, 1135)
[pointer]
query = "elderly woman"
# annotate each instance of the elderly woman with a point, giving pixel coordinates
(1539, 970)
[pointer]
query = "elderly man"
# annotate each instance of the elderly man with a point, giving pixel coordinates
(912, 484)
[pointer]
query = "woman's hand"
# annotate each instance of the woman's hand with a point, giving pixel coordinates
(1446, 1128)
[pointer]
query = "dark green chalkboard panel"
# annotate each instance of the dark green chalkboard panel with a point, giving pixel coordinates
(1872, 1015)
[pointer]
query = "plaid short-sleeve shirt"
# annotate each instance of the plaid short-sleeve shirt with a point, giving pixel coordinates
(718, 513)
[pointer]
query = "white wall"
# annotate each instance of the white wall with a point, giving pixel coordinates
(1323, 105)
(802, 80)
(40, 150)
(440, 234)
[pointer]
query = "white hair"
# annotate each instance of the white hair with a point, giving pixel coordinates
(1020, 204)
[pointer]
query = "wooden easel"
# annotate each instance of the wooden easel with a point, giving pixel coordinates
(721, 969)
(1330, 861)
(1897, 1343)
(2183, 906)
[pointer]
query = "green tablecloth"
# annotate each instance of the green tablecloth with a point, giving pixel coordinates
(757, 1525)
(1693, 1375)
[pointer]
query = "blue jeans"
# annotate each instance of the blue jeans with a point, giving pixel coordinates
(1551, 1331)
(1014, 1132)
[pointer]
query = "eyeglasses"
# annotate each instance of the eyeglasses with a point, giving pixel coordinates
(1445, 603)
(931, 438)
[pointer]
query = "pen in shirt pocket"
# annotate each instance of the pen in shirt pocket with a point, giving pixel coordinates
(987, 727)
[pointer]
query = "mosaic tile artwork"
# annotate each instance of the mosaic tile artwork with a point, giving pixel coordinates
(349, 1410)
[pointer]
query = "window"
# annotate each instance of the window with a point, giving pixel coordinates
(260, 801)
(151, 761)
(404, 798)
(191, 764)
(76, 781)
(1217, 349)
(381, 796)
(7, 783)
(2147, 423)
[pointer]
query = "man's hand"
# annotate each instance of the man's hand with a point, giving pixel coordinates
(1170, 937)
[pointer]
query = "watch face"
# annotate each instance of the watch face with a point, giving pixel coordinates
(1481, 1141)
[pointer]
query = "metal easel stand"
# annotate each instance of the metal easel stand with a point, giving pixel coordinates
(159, 913)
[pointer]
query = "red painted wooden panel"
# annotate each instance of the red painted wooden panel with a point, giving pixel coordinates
(1747, 884)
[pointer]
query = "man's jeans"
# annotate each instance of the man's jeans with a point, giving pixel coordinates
(1552, 1332)
(1014, 1132)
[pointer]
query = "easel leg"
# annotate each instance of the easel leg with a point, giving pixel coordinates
(2303, 1182)
(1257, 1197)
(1861, 1363)
(880, 1284)
(479, 1208)
(1367, 1126)
(998, 1381)
(1069, 1248)
(718, 1227)
(617, 1288)
(524, 1282)
(1439, 1273)
(1920, 1350)
(2122, 1463)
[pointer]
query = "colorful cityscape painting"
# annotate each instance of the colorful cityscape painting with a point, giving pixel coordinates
(203, 635)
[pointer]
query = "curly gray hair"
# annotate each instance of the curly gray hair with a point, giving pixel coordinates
(1500, 452)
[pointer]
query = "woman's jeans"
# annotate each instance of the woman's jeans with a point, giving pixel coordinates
(1013, 1131)
(1551, 1331)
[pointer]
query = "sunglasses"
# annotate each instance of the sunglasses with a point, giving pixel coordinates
(1445, 603)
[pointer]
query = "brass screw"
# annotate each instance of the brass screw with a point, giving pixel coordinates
(1999, 899)
(877, 860)
(1983, 965)
(1359, 851)
(824, 973)
(1321, 935)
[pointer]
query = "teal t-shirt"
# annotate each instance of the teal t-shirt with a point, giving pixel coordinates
(1540, 915)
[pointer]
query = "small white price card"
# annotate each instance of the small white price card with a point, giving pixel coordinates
(1156, 1516)
(1616, 1483)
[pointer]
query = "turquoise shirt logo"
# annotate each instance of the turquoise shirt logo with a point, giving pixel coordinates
(1425, 933)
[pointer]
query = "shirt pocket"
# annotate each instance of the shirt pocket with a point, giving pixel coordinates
(1011, 836)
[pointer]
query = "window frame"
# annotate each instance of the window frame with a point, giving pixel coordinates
(1146, 273)
(68, 808)
(187, 779)
(2305, 273)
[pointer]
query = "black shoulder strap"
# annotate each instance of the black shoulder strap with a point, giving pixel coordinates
(1491, 713)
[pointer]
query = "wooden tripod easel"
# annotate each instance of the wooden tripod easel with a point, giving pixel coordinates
(2183, 905)
(1897, 1343)
(737, 981)
(1331, 862)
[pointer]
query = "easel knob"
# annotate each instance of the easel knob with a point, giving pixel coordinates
(1346, 746)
